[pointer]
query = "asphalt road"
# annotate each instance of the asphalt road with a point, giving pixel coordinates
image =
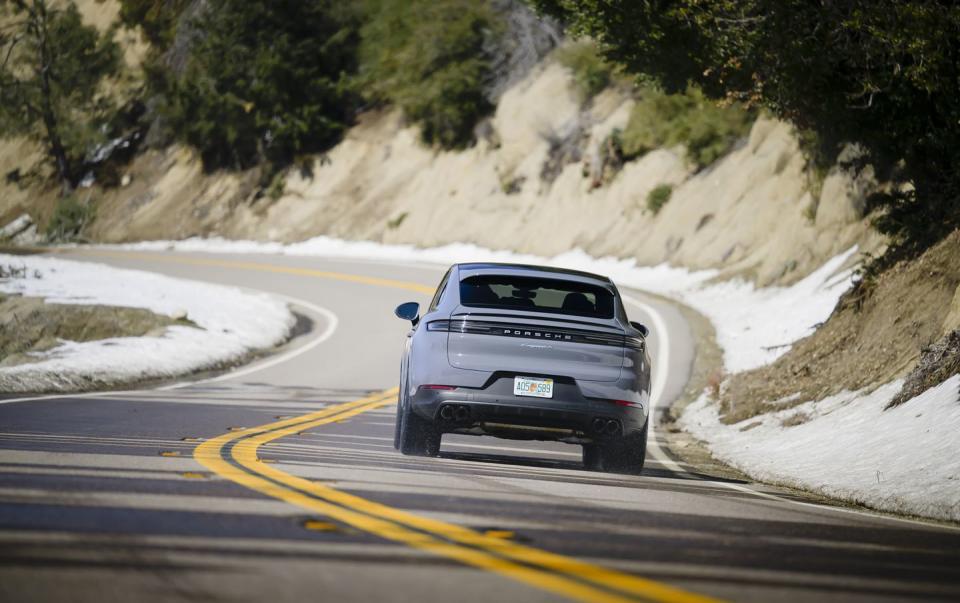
(279, 482)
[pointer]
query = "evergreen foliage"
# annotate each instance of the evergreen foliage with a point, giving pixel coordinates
(591, 71)
(706, 129)
(658, 197)
(257, 82)
(429, 58)
(884, 74)
(266, 80)
(157, 18)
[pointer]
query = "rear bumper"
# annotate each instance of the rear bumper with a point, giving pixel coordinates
(568, 416)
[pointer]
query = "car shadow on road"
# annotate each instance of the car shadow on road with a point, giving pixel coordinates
(652, 468)
(503, 459)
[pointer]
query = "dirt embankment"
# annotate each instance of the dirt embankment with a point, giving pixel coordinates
(877, 334)
(29, 325)
(525, 186)
(751, 213)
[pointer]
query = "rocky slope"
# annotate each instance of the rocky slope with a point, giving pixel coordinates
(751, 213)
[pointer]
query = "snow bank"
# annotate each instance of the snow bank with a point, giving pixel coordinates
(903, 460)
(754, 326)
(231, 324)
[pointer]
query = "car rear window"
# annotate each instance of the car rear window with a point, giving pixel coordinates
(537, 294)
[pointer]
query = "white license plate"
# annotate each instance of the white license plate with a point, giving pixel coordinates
(530, 386)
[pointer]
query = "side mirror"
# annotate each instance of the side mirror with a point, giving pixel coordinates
(640, 327)
(409, 311)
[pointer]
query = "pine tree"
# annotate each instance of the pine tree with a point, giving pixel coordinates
(51, 70)
(267, 80)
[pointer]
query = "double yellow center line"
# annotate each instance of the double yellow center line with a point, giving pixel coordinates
(234, 456)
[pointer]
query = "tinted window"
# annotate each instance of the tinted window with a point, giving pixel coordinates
(537, 294)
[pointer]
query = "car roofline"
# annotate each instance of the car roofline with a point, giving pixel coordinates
(493, 267)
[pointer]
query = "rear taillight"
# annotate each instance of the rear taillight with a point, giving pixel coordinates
(445, 388)
(626, 403)
(438, 325)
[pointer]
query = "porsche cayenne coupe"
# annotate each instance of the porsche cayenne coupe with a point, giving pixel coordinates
(526, 352)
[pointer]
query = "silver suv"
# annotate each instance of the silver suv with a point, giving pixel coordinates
(526, 352)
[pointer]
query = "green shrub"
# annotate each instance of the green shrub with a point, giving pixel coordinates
(266, 80)
(157, 18)
(69, 219)
(591, 72)
(428, 58)
(395, 223)
(658, 197)
(707, 130)
(277, 186)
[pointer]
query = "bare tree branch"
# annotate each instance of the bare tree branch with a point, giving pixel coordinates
(10, 48)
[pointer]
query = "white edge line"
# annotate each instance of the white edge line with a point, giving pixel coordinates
(662, 361)
(662, 365)
(331, 326)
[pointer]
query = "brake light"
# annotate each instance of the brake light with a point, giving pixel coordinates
(625, 403)
(440, 387)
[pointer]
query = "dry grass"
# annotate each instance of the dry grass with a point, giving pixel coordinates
(798, 418)
(28, 324)
(715, 383)
(937, 363)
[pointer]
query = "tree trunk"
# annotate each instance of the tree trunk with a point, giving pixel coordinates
(54, 142)
(56, 148)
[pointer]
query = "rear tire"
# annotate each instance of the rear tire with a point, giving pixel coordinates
(626, 455)
(400, 406)
(418, 437)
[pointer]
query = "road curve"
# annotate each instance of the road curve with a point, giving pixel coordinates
(279, 481)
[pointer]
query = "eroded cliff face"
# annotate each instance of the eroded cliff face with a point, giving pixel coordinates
(751, 212)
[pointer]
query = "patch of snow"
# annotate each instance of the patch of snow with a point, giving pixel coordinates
(103, 151)
(232, 323)
(903, 460)
(754, 326)
(15, 227)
